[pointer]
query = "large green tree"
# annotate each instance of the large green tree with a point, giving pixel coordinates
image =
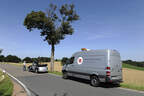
(54, 24)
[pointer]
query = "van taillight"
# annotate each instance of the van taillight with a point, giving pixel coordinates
(107, 73)
(108, 68)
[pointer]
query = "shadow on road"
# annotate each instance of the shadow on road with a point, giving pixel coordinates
(39, 72)
(103, 85)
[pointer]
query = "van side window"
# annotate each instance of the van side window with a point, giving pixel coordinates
(71, 60)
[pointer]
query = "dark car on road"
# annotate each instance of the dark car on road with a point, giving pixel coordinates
(36, 67)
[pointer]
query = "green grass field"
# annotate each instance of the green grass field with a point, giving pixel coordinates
(6, 86)
(132, 86)
(132, 67)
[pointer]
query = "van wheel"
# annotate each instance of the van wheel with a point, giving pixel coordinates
(94, 81)
(65, 76)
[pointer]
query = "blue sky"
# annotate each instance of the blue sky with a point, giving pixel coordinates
(103, 24)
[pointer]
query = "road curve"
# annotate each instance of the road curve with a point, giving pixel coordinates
(49, 85)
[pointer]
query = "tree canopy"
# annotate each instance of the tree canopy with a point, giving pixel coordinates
(54, 26)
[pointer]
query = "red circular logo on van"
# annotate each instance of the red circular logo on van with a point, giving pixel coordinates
(80, 60)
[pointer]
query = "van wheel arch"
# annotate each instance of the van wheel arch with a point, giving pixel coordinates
(94, 80)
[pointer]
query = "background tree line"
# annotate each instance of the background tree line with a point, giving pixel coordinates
(134, 63)
(16, 59)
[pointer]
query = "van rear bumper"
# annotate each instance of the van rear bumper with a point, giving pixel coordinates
(114, 79)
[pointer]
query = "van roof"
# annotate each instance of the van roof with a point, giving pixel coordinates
(97, 50)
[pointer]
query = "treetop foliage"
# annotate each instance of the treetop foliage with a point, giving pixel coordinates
(54, 24)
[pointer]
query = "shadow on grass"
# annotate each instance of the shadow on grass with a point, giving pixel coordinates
(103, 85)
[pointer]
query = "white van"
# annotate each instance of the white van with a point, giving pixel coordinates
(95, 65)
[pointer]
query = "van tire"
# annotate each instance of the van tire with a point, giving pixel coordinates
(94, 81)
(65, 75)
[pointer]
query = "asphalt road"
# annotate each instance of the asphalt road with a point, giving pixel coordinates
(50, 85)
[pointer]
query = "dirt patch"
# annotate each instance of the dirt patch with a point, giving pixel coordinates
(18, 90)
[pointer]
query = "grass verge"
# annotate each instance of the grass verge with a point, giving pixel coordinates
(55, 72)
(6, 87)
(132, 86)
(132, 67)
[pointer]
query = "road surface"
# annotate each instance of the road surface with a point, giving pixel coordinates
(50, 85)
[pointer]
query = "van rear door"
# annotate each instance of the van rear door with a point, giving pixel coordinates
(115, 64)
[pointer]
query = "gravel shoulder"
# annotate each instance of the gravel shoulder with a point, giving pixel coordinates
(18, 90)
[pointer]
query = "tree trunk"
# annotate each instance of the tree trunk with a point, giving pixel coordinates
(52, 58)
